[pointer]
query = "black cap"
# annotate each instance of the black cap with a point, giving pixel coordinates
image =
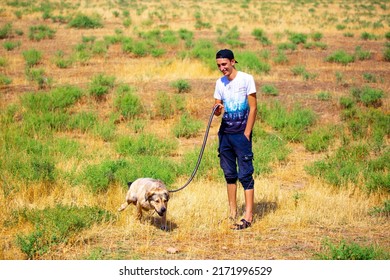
(225, 53)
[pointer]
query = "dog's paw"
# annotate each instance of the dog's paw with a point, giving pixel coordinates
(164, 228)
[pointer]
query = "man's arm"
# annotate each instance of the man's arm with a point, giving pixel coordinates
(252, 101)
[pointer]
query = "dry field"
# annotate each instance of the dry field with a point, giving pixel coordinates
(295, 212)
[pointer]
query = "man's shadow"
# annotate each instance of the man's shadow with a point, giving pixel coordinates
(262, 208)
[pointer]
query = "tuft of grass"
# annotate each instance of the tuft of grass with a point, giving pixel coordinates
(297, 38)
(32, 57)
(351, 251)
(381, 210)
(251, 61)
(300, 70)
(10, 45)
(293, 124)
(82, 21)
(40, 32)
(127, 102)
(368, 96)
(145, 144)
(55, 226)
(319, 139)
(187, 127)
(181, 85)
(340, 56)
(259, 35)
(270, 90)
(100, 85)
(6, 31)
(4, 80)
(164, 105)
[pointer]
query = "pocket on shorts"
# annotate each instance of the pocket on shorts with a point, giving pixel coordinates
(247, 157)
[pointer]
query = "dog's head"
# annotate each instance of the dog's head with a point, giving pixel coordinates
(158, 197)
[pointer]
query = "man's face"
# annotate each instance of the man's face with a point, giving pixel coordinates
(225, 65)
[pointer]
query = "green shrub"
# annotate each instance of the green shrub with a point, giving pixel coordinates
(369, 77)
(368, 36)
(300, 70)
(298, 38)
(260, 36)
(57, 99)
(9, 45)
(82, 121)
(287, 46)
(386, 53)
(292, 124)
(382, 210)
(340, 56)
(281, 57)
(6, 31)
(346, 102)
(368, 96)
(181, 85)
(269, 90)
(32, 57)
(82, 21)
(127, 102)
(100, 85)
(187, 127)
(316, 36)
(40, 32)
(98, 177)
(319, 139)
(251, 61)
(60, 61)
(39, 76)
(204, 50)
(268, 149)
(351, 251)
(146, 145)
(324, 95)
(164, 105)
(55, 226)
(4, 80)
(361, 54)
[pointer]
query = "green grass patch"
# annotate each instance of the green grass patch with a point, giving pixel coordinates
(351, 251)
(292, 124)
(82, 21)
(127, 102)
(55, 226)
(187, 127)
(40, 32)
(100, 85)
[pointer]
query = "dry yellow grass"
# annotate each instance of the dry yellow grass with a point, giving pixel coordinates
(294, 211)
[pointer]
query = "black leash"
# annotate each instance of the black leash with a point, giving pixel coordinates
(200, 153)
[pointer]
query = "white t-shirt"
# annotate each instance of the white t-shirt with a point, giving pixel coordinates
(234, 96)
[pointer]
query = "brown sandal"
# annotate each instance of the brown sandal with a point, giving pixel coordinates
(245, 224)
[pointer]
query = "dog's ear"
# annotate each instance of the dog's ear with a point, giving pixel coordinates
(148, 195)
(167, 196)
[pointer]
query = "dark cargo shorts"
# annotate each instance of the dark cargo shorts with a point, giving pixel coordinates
(236, 149)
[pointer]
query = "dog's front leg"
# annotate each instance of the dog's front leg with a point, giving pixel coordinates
(139, 211)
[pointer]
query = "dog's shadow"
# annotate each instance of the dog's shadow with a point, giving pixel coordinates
(155, 221)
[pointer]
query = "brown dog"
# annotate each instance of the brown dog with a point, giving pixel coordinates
(148, 194)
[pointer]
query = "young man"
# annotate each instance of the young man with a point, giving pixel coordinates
(235, 95)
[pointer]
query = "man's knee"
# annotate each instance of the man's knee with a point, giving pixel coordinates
(248, 183)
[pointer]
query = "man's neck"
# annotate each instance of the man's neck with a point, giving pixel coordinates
(232, 75)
